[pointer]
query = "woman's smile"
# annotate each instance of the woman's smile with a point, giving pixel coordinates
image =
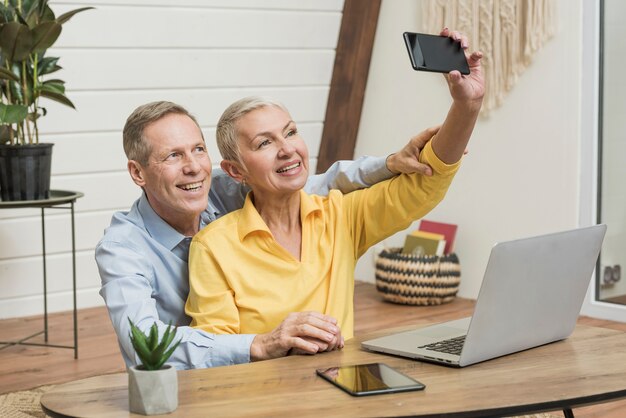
(291, 169)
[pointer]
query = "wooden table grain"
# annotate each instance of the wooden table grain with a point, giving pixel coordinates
(589, 367)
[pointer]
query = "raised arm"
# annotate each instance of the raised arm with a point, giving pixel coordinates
(467, 95)
(402, 199)
(408, 198)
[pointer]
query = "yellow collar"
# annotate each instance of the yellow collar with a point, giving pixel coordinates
(250, 220)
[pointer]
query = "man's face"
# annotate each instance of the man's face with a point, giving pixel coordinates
(177, 176)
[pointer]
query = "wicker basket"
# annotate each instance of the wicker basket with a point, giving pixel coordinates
(417, 280)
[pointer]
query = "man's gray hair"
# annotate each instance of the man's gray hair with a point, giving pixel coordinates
(136, 146)
(226, 132)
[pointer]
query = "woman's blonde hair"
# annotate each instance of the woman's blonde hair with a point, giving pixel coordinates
(226, 132)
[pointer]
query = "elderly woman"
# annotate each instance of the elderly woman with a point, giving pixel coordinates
(287, 251)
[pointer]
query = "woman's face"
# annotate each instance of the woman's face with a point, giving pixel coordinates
(274, 158)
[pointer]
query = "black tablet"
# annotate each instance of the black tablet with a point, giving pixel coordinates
(435, 53)
(369, 379)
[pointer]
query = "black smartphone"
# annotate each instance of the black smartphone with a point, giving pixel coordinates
(369, 379)
(434, 53)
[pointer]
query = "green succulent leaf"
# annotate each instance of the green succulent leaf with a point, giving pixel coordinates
(155, 359)
(16, 41)
(153, 340)
(168, 337)
(140, 345)
(54, 95)
(152, 352)
(167, 355)
(45, 35)
(67, 16)
(8, 75)
(12, 113)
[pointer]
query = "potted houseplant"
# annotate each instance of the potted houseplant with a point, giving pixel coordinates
(27, 29)
(153, 385)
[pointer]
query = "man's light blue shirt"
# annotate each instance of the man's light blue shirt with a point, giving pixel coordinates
(142, 262)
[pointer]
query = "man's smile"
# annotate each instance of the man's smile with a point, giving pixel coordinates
(191, 186)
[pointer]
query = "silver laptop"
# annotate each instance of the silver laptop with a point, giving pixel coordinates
(531, 295)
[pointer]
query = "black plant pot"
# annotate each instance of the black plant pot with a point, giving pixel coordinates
(25, 171)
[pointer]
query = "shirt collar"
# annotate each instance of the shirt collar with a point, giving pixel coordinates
(158, 229)
(209, 215)
(250, 220)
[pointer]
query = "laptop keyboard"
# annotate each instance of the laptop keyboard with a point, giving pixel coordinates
(449, 346)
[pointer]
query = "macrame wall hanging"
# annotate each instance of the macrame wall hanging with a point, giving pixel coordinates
(507, 32)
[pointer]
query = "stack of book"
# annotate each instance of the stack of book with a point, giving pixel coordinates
(431, 238)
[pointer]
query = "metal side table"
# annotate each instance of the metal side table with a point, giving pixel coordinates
(59, 199)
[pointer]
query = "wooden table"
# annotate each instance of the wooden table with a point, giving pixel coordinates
(589, 367)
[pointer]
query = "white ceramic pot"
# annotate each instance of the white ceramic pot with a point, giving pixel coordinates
(152, 392)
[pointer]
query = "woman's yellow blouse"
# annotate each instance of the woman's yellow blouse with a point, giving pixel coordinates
(242, 281)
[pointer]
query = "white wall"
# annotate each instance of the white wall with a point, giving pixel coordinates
(521, 177)
(203, 54)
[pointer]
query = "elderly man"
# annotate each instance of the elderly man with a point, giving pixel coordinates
(142, 258)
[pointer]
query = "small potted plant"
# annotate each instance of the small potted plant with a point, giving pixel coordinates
(153, 385)
(27, 29)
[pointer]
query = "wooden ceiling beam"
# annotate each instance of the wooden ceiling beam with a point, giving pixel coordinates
(347, 88)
